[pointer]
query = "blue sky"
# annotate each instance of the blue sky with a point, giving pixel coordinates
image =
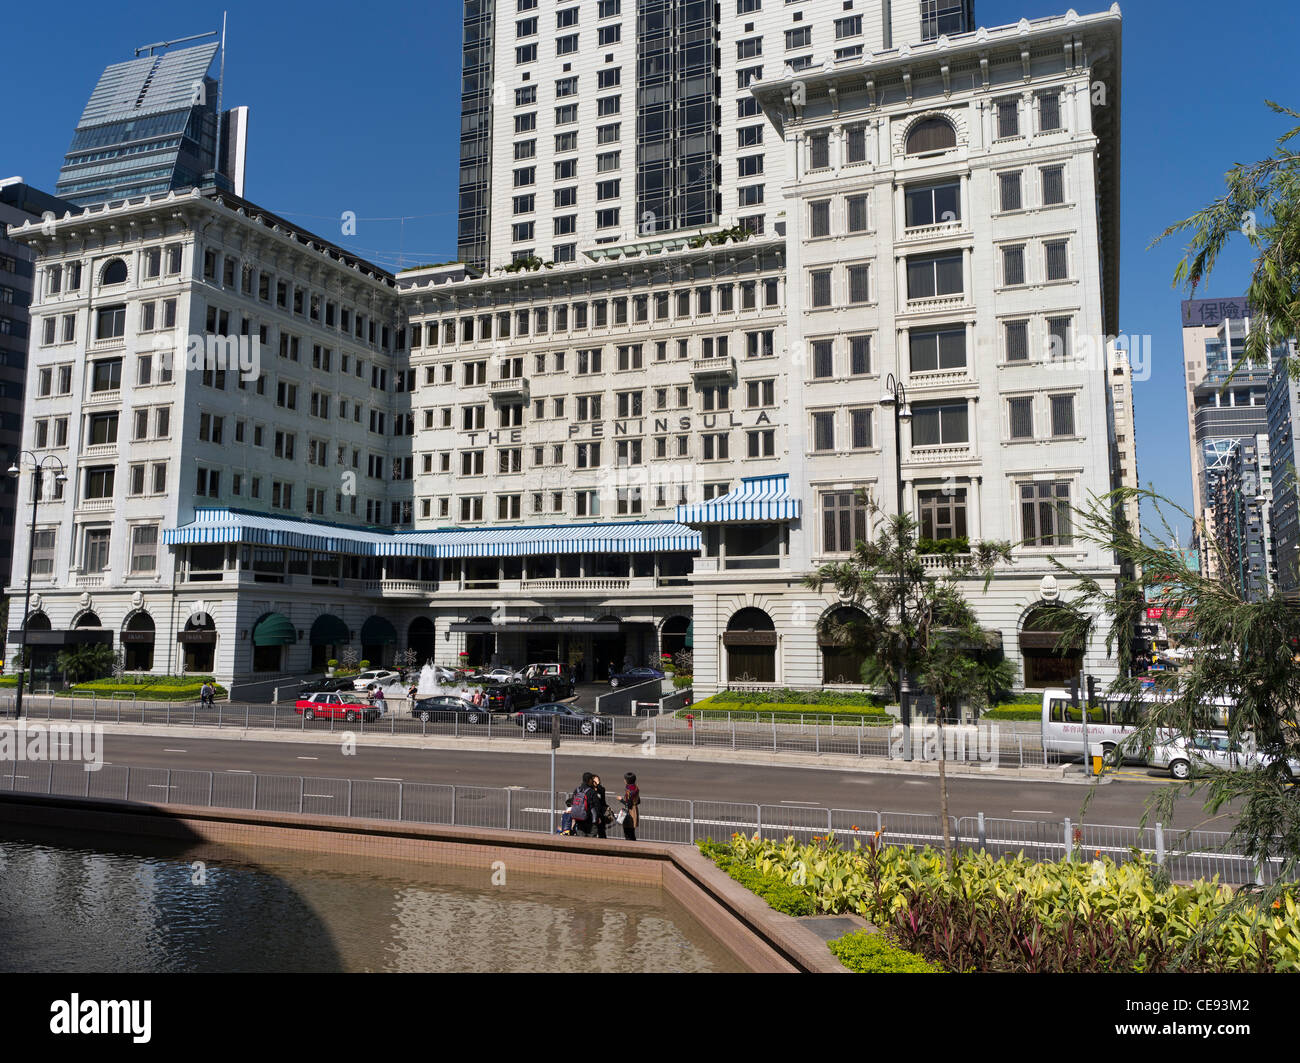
(357, 108)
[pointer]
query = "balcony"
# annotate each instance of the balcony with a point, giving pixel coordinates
(511, 389)
(96, 580)
(942, 378)
(929, 232)
(96, 505)
(103, 398)
(721, 367)
(936, 303)
(590, 583)
(396, 588)
(942, 455)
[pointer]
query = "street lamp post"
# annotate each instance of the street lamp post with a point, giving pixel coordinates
(896, 395)
(37, 468)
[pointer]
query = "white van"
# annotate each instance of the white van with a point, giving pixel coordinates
(1108, 723)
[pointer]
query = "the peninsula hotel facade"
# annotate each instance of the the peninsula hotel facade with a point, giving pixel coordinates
(644, 448)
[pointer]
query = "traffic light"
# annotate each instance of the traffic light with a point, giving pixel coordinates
(1092, 690)
(1073, 687)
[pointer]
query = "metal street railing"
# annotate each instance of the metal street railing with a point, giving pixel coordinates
(1187, 855)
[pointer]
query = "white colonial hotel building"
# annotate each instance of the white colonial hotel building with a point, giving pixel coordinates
(649, 444)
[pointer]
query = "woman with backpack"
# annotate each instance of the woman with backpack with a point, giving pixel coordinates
(599, 806)
(580, 806)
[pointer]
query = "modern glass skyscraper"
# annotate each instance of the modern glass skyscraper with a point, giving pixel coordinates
(151, 126)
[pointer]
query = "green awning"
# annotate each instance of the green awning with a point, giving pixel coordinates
(328, 630)
(377, 630)
(690, 635)
(274, 630)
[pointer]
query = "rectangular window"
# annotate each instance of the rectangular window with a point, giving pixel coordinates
(1056, 253)
(144, 546)
(1013, 265)
(1009, 190)
(931, 276)
(823, 359)
(1053, 185)
(942, 514)
(860, 429)
(1058, 338)
(1049, 112)
(933, 350)
(940, 424)
(1008, 118)
(1063, 415)
(819, 151)
(933, 204)
(844, 521)
(1021, 415)
(823, 431)
(819, 218)
(1017, 338)
(860, 284)
(820, 285)
(762, 443)
(859, 355)
(1045, 513)
(857, 213)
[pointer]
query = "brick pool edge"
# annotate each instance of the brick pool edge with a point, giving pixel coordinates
(762, 939)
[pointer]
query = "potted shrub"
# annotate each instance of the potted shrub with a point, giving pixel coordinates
(666, 664)
(330, 665)
(363, 666)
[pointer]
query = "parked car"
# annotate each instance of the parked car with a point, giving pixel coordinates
(572, 721)
(308, 686)
(329, 705)
(563, 680)
(500, 675)
(426, 709)
(631, 676)
(520, 696)
(1213, 750)
(375, 675)
(547, 687)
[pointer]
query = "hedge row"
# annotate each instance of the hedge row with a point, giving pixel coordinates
(802, 697)
(773, 889)
(1013, 712)
(806, 714)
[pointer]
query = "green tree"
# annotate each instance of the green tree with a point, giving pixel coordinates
(911, 615)
(1261, 202)
(88, 661)
(1246, 653)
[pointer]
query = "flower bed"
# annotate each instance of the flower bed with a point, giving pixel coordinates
(1012, 914)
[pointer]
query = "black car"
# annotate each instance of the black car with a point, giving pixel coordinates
(520, 697)
(632, 676)
(549, 687)
(426, 709)
(326, 685)
(572, 721)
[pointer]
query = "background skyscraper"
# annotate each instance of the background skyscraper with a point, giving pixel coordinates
(152, 126)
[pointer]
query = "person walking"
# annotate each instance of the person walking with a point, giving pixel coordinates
(205, 694)
(380, 703)
(631, 801)
(599, 806)
(580, 806)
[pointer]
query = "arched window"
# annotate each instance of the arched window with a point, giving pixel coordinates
(114, 272)
(750, 640)
(931, 134)
(842, 655)
(1050, 659)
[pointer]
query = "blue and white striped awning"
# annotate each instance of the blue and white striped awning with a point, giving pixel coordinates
(611, 537)
(757, 498)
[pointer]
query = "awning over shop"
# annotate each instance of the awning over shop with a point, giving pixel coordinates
(71, 637)
(558, 627)
(758, 498)
(274, 630)
(377, 630)
(236, 526)
(328, 630)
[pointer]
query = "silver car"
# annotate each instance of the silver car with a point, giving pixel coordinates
(1214, 750)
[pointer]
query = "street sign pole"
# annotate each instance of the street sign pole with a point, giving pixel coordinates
(555, 744)
(1087, 749)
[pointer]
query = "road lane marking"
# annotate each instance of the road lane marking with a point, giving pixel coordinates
(175, 751)
(1035, 811)
(309, 758)
(239, 771)
(814, 803)
(383, 778)
(329, 796)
